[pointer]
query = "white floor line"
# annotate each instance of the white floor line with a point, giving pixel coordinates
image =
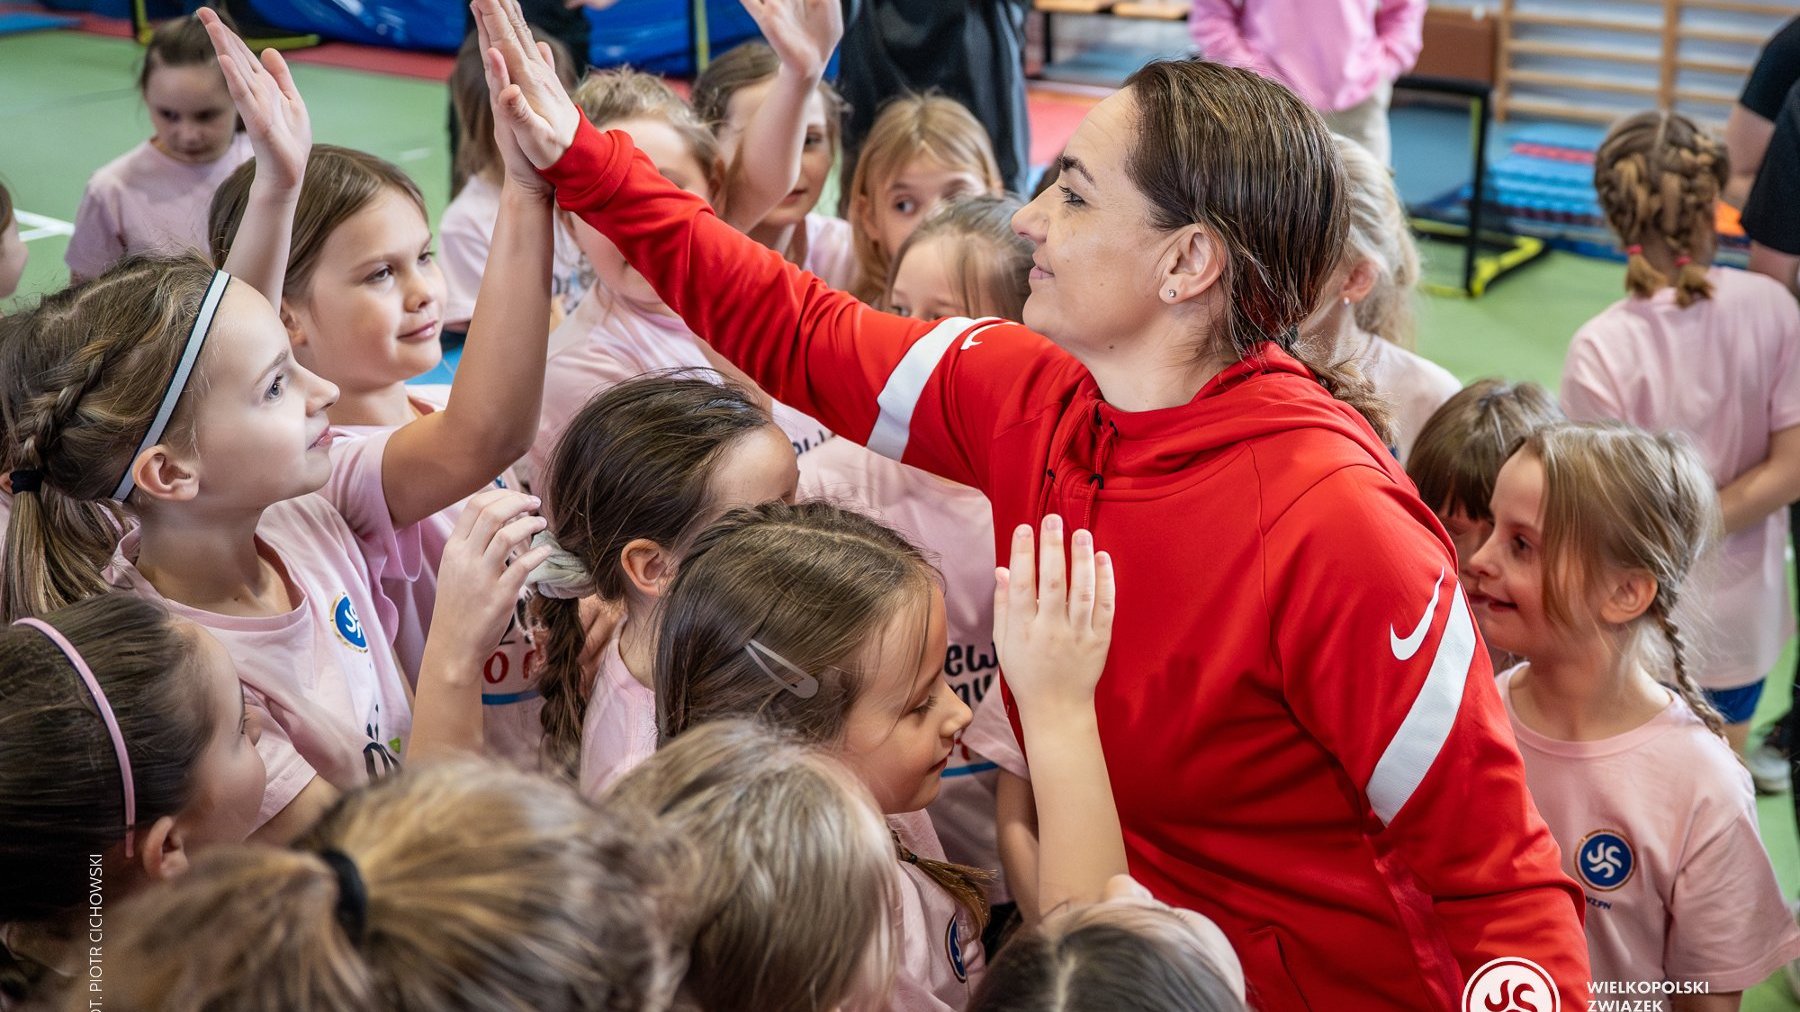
(38, 226)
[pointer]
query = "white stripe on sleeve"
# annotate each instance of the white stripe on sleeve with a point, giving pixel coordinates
(893, 425)
(1422, 734)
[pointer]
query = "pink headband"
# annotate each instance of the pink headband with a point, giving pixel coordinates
(106, 714)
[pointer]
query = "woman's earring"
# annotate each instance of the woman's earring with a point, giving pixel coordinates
(1171, 293)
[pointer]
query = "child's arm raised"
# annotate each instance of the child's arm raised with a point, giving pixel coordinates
(492, 414)
(803, 33)
(484, 568)
(280, 132)
(1052, 633)
(929, 393)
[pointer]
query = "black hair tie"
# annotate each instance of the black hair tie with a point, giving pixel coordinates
(27, 479)
(353, 896)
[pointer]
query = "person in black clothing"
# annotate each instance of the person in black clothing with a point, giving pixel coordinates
(1752, 120)
(969, 50)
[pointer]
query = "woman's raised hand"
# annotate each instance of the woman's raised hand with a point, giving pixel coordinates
(518, 168)
(523, 84)
(803, 33)
(1053, 618)
(273, 112)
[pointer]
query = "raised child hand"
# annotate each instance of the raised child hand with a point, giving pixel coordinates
(483, 570)
(519, 170)
(274, 115)
(1052, 630)
(524, 86)
(803, 33)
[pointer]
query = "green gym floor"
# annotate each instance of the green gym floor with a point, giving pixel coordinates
(68, 105)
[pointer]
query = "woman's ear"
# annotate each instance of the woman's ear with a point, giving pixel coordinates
(161, 473)
(648, 566)
(1360, 281)
(1192, 266)
(1630, 595)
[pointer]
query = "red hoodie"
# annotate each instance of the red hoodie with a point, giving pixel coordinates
(1299, 718)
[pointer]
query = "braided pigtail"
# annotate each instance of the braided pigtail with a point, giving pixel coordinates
(1658, 177)
(560, 636)
(83, 375)
(1684, 679)
(966, 885)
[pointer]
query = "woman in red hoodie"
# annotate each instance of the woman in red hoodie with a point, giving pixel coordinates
(1300, 725)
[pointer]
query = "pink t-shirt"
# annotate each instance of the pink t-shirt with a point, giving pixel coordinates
(511, 727)
(330, 659)
(466, 233)
(954, 526)
(829, 252)
(609, 340)
(619, 729)
(941, 960)
(1658, 826)
(1725, 371)
(1413, 385)
(145, 201)
(1347, 50)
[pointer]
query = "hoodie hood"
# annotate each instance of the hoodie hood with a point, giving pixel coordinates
(1263, 395)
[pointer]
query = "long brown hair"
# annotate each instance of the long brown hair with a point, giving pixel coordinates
(1618, 498)
(482, 887)
(635, 462)
(786, 907)
(1244, 158)
(909, 127)
(339, 183)
(1659, 177)
(88, 369)
(814, 584)
(61, 790)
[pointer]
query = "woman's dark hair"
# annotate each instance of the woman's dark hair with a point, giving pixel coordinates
(1251, 163)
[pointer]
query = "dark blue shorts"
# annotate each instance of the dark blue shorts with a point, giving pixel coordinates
(1735, 705)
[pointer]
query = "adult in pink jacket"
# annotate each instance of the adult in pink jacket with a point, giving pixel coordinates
(1341, 56)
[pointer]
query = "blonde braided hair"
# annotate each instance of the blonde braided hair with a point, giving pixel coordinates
(1659, 176)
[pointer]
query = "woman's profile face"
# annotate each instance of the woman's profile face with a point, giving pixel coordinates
(1095, 280)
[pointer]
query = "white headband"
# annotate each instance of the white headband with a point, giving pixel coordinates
(209, 307)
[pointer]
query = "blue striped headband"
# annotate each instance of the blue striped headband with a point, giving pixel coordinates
(184, 370)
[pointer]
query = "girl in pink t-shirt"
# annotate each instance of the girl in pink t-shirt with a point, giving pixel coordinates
(964, 260)
(123, 734)
(622, 328)
(822, 621)
(363, 301)
(217, 448)
(1596, 530)
(640, 470)
(153, 198)
(1712, 353)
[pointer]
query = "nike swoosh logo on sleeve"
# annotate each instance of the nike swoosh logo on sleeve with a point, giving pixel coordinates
(1404, 648)
(968, 342)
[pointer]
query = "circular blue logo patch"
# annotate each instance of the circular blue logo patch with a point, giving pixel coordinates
(348, 624)
(1604, 860)
(953, 948)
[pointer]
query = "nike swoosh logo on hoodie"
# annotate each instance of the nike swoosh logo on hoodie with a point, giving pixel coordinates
(1404, 648)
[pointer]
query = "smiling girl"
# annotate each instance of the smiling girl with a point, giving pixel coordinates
(153, 197)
